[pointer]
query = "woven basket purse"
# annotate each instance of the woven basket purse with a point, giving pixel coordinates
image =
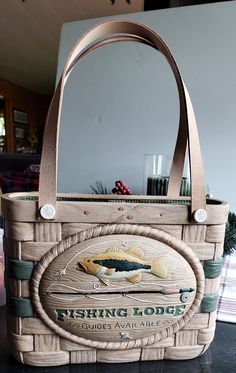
(106, 278)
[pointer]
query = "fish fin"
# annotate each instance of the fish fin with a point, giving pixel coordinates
(104, 281)
(110, 271)
(158, 267)
(115, 250)
(136, 278)
(136, 251)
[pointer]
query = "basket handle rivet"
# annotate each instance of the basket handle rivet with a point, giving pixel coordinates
(200, 215)
(47, 212)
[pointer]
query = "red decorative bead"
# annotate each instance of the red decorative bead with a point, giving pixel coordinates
(121, 188)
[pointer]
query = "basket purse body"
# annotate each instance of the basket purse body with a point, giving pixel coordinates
(106, 278)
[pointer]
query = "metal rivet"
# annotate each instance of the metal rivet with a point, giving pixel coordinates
(200, 215)
(184, 297)
(120, 209)
(129, 217)
(47, 212)
(86, 212)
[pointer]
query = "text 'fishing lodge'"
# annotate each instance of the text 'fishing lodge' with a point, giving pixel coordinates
(173, 310)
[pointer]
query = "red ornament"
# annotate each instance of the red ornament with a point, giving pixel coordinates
(121, 188)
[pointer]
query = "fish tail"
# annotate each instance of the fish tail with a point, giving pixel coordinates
(158, 267)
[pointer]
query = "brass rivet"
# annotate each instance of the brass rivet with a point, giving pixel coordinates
(130, 217)
(86, 212)
(120, 209)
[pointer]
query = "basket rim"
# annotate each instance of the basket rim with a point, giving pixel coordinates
(91, 208)
(85, 197)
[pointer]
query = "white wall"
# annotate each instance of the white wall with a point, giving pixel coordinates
(122, 100)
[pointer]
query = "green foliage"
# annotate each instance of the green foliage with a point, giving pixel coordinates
(98, 188)
(230, 235)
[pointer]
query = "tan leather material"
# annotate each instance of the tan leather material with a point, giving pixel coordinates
(124, 30)
(50, 153)
(102, 43)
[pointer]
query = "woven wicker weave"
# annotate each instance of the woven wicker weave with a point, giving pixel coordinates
(33, 342)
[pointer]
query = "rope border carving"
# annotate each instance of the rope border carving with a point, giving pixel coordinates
(110, 229)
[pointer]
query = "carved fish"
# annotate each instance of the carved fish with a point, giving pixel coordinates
(118, 264)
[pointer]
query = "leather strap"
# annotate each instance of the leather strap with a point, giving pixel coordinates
(175, 178)
(124, 30)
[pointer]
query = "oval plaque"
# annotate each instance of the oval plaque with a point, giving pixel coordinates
(116, 286)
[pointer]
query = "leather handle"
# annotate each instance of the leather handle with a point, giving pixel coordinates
(176, 172)
(124, 30)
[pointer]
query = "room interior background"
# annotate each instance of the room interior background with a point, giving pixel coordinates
(122, 103)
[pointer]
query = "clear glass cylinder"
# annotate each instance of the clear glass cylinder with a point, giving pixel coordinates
(156, 175)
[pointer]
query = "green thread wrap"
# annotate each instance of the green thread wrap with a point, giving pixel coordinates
(212, 268)
(19, 269)
(209, 303)
(21, 307)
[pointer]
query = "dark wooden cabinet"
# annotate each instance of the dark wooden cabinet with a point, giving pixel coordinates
(22, 117)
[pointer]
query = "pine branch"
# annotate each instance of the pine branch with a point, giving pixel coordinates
(230, 235)
(98, 188)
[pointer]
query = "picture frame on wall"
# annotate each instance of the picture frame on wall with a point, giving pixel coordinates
(20, 116)
(19, 133)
